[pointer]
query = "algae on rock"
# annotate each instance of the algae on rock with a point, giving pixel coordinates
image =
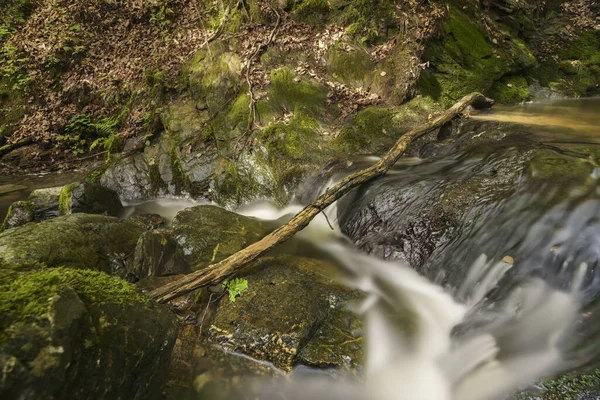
(287, 301)
(78, 333)
(462, 60)
(77, 241)
(208, 234)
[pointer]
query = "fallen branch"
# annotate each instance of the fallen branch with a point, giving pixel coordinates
(13, 146)
(215, 273)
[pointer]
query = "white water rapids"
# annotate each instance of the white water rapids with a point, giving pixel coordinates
(452, 350)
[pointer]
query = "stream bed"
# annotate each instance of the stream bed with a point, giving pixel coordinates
(473, 265)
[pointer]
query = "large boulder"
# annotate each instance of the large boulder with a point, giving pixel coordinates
(474, 176)
(90, 198)
(46, 202)
(79, 241)
(77, 197)
(292, 312)
(209, 233)
(162, 169)
(71, 333)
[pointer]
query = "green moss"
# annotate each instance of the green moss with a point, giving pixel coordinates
(311, 11)
(464, 61)
(578, 72)
(6, 218)
(351, 67)
(239, 112)
(75, 241)
(156, 181)
(27, 295)
(295, 140)
(586, 48)
(368, 126)
(214, 77)
(375, 128)
(286, 93)
(64, 200)
(369, 20)
(568, 387)
(510, 90)
(180, 180)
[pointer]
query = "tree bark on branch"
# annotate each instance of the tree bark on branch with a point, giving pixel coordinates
(13, 146)
(215, 273)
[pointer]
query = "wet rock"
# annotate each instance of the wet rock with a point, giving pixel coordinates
(209, 233)
(290, 301)
(157, 254)
(46, 203)
(78, 241)
(409, 216)
(338, 342)
(163, 169)
(80, 334)
(129, 177)
(90, 198)
(149, 221)
(19, 213)
(77, 197)
(423, 214)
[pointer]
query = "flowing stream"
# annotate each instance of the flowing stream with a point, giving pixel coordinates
(508, 300)
(504, 302)
(503, 295)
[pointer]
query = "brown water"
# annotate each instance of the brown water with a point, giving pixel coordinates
(15, 188)
(580, 116)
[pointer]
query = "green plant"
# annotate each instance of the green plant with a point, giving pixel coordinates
(13, 68)
(111, 143)
(161, 15)
(5, 32)
(81, 124)
(147, 138)
(236, 287)
(75, 143)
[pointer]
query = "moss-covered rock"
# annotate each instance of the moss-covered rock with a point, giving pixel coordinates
(577, 73)
(510, 90)
(288, 300)
(209, 233)
(394, 79)
(157, 254)
(566, 387)
(213, 77)
(375, 128)
(90, 198)
(351, 64)
(68, 333)
(19, 213)
(46, 202)
(462, 60)
(289, 93)
(77, 241)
